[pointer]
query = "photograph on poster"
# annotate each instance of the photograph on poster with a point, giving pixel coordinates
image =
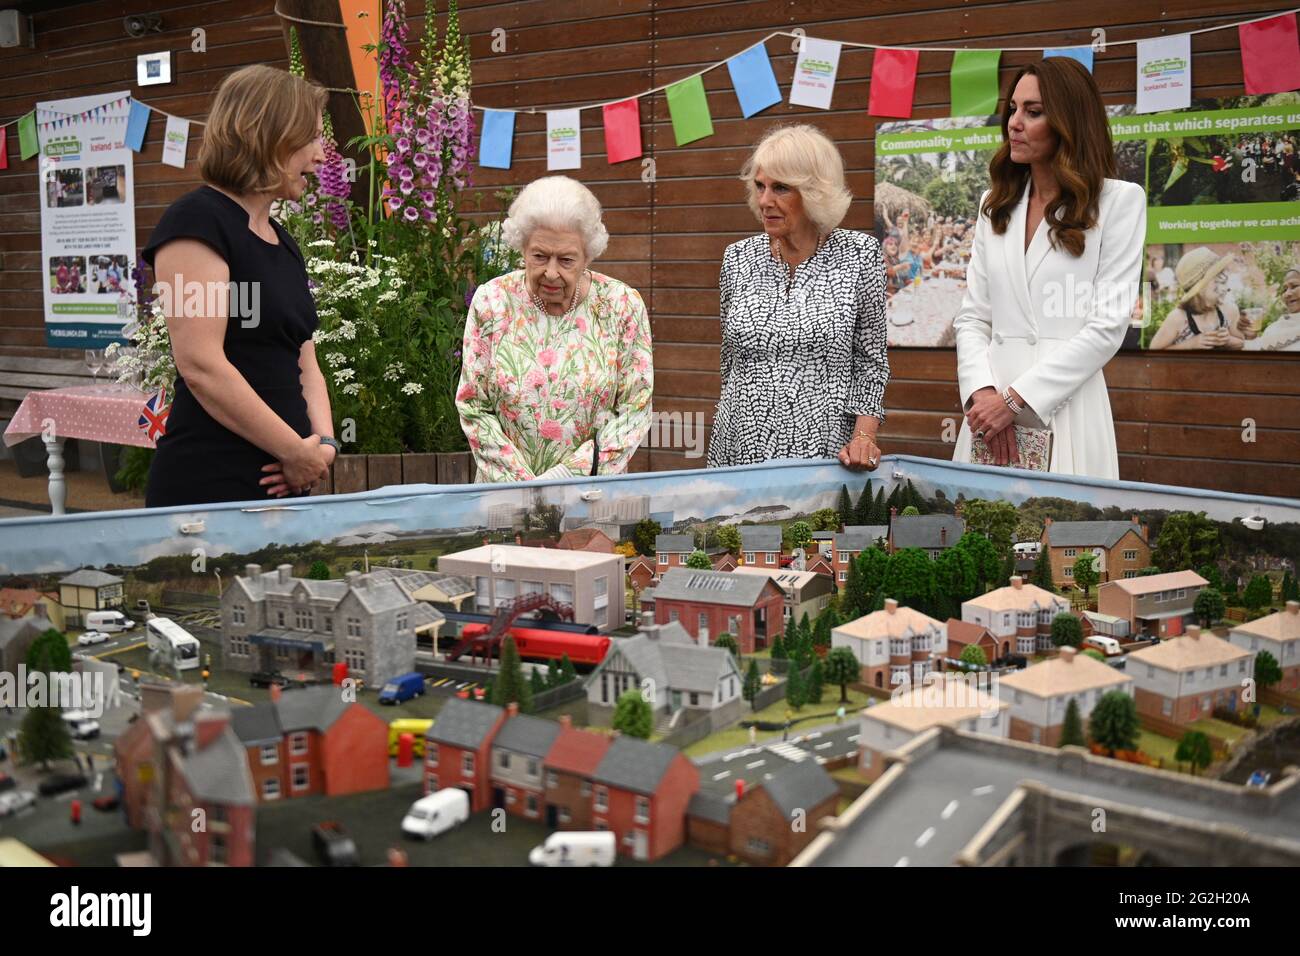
(108, 273)
(63, 188)
(105, 184)
(67, 274)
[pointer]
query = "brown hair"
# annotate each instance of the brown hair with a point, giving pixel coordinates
(259, 117)
(1085, 154)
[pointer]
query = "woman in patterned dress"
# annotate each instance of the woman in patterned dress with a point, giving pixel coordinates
(557, 374)
(803, 316)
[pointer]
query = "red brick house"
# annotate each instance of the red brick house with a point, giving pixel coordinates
(457, 749)
(586, 539)
(851, 542)
(641, 791)
(962, 634)
(747, 606)
(309, 741)
(723, 561)
(569, 766)
(517, 753)
(761, 545)
(640, 573)
(1122, 546)
(672, 550)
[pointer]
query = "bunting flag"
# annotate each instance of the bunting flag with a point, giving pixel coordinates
(563, 139)
(753, 80)
(4, 147)
(176, 141)
(1164, 73)
(893, 81)
(1270, 55)
(974, 82)
(497, 139)
(28, 146)
(814, 73)
(153, 416)
(689, 109)
(136, 124)
(622, 130)
(1081, 53)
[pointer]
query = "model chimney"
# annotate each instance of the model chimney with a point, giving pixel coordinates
(893, 511)
(1293, 607)
(252, 570)
(891, 605)
(519, 537)
(207, 727)
(1017, 581)
(943, 536)
(284, 572)
(740, 788)
(647, 619)
(1194, 631)
(1067, 653)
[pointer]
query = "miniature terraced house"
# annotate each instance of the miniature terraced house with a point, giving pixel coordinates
(895, 645)
(1019, 612)
(672, 550)
(457, 749)
(711, 603)
(569, 766)
(806, 592)
(761, 545)
(1040, 694)
(1278, 634)
(851, 542)
(686, 678)
(1121, 547)
(517, 753)
(641, 790)
(1186, 678)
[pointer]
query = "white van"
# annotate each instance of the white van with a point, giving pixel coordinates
(1027, 548)
(576, 848)
(437, 813)
(109, 622)
(81, 725)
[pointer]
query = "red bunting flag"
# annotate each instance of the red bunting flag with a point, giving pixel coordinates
(622, 130)
(893, 81)
(4, 148)
(1270, 55)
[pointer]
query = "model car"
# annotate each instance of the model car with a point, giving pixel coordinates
(107, 801)
(93, 637)
(333, 845)
(15, 800)
(61, 783)
(267, 678)
(1259, 778)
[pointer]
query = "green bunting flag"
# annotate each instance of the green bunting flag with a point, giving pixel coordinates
(690, 111)
(27, 145)
(974, 81)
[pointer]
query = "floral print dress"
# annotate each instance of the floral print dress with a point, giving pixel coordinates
(540, 393)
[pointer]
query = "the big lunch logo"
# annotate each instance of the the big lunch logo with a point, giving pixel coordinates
(63, 146)
(817, 67)
(1171, 64)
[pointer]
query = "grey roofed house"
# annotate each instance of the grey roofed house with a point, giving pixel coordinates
(760, 537)
(463, 723)
(860, 537)
(90, 578)
(311, 708)
(256, 725)
(11, 629)
(527, 735)
(219, 772)
(635, 765)
(1089, 534)
(411, 580)
(674, 660)
(922, 531)
(714, 807)
(716, 587)
(800, 786)
(675, 543)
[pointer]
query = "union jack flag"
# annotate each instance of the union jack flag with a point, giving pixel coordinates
(153, 417)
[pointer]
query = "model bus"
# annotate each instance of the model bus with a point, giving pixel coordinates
(166, 635)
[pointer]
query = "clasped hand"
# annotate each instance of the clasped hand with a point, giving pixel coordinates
(309, 464)
(988, 413)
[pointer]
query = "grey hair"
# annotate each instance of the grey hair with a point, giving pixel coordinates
(556, 202)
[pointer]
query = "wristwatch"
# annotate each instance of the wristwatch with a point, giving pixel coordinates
(333, 443)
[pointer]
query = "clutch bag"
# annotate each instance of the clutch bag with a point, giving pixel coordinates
(1034, 446)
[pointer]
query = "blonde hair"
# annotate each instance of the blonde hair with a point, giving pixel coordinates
(804, 158)
(259, 117)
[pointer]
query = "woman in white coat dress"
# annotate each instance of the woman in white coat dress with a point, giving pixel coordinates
(1053, 277)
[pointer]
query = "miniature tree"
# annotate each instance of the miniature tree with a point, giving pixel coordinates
(1195, 749)
(791, 638)
(1008, 569)
(536, 682)
(853, 596)
(984, 557)
(49, 653)
(872, 564)
(1258, 592)
(1213, 578)
(806, 632)
(729, 538)
(994, 520)
(568, 672)
(632, 715)
(974, 655)
(910, 579)
(1267, 671)
(644, 534)
(729, 643)
(553, 676)
(699, 561)
(844, 505)
(1290, 587)
(1085, 574)
(44, 736)
(815, 689)
(510, 686)
(1186, 540)
(862, 512)
(1072, 726)
(794, 688)
(879, 513)
(753, 683)
(842, 668)
(799, 534)
(319, 571)
(1210, 606)
(779, 652)
(909, 511)
(1113, 723)
(826, 519)
(1042, 573)
(954, 582)
(1067, 630)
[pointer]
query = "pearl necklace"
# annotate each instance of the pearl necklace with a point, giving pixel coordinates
(780, 254)
(573, 303)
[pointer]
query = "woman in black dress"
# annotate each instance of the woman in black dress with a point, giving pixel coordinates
(251, 414)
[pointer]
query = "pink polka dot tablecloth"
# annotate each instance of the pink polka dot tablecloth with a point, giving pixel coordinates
(106, 413)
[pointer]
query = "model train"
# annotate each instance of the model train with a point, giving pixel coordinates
(537, 644)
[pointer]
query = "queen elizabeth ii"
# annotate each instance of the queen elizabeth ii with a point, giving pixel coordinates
(557, 376)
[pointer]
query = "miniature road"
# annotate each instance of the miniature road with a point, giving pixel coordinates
(753, 764)
(940, 802)
(842, 736)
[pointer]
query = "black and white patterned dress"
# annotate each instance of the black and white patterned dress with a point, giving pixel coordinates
(801, 358)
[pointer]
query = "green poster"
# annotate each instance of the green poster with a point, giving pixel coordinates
(27, 145)
(690, 111)
(974, 81)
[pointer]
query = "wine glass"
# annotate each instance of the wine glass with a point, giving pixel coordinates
(94, 362)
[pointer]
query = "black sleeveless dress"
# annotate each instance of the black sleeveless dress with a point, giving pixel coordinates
(199, 460)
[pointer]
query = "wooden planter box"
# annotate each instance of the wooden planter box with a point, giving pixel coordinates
(353, 473)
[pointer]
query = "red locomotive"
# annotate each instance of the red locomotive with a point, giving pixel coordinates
(537, 644)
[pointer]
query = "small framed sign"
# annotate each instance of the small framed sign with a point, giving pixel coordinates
(153, 68)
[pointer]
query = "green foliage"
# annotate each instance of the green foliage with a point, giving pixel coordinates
(1072, 726)
(133, 467)
(1067, 630)
(1186, 540)
(799, 534)
(845, 506)
(699, 561)
(729, 537)
(509, 685)
(319, 571)
(1258, 592)
(644, 534)
(879, 513)
(1267, 670)
(779, 652)
(43, 736)
(947, 197)
(1195, 749)
(1085, 573)
(842, 668)
(568, 672)
(825, 519)
(910, 579)
(909, 511)
(974, 655)
(814, 690)
(49, 653)
(1113, 723)
(983, 556)
(794, 693)
(1212, 575)
(1095, 654)
(536, 682)
(753, 683)
(728, 642)
(632, 715)
(1210, 606)
(1042, 574)
(995, 520)
(862, 511)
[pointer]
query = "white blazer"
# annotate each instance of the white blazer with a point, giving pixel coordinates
(1045, 323)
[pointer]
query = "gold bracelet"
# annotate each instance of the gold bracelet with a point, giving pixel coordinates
(866, 435)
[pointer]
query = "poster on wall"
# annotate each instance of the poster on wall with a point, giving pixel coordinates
(1222, 179)
(87, 218)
